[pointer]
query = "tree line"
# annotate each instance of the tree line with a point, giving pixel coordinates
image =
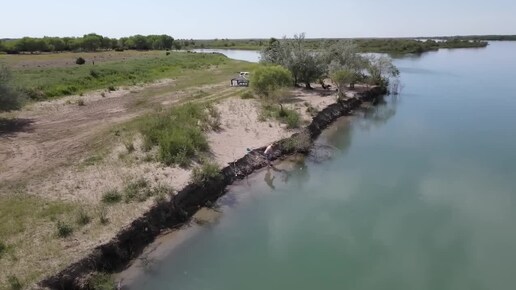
(340, 61)
(89, 42)
(380, 45)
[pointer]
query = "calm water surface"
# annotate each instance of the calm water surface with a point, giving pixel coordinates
(419, 194)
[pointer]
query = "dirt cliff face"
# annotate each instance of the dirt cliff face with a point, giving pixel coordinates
(129, 243)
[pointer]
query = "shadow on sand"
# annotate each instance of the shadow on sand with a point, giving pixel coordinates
(10, 127)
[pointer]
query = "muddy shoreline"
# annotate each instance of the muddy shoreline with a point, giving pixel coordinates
(129, 243)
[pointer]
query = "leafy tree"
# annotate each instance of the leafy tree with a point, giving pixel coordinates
(305, 65)
(380, 69)
(341, 78)
(270, 82)
(10, 98)
(91, 42)
(267, 79)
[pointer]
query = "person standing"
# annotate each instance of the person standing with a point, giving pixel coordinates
(268, 153)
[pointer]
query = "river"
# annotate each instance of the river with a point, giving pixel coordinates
(419, 193)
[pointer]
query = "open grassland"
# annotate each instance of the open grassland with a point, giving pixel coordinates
(57, 75)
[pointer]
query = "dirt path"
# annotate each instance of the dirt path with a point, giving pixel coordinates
(51, 134)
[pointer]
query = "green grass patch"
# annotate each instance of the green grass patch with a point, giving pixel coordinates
(19, 213)
(82, 218)
(46, 83)
(63, 229)
(140, 190)
(286, 116)
(101, 281)
(92, 160)
(14, 283)
(207, 171)
(178, 132)
(137, 190)
(246, 94)
(111, 196)
(3, 249)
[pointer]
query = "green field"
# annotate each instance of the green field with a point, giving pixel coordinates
(41, 83)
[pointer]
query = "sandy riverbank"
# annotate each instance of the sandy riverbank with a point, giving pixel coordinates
(187, 202)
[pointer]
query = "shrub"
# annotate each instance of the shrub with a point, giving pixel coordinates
(3, 249)
(167, 53)
(291, 118)
(81, 103)
(137, 190)
(103, 218)
(129, 146)
(80, 61)
(246, 94)
(207, 171)
(286, 116)
(82, 217)
(14, 282)
(94, 73)
(214, 119)
(111, 88)
(267, 79)
(10, 97)
(63, 229)
(178, 133)
(298, 143)
(101, 281)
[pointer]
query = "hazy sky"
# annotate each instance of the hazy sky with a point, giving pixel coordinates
(253, 19)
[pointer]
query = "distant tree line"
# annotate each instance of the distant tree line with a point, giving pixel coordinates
(89, 42)
(380, 45)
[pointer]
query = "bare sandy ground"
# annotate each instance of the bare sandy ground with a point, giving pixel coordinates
(53, 134)
(241, 129)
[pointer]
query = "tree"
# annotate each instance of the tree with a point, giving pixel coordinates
(341, 78)
(380, 70)
(305, 65)
(10, 98)
(268, 82)
(267, 79)
(91, 42)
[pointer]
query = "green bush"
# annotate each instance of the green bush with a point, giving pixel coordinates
(137, 190)
(267, 79)
(101, 281)
(63, 229)
(129, 145)
(10, 97)
(3, 248)
(286, 116)
(80, 61)
(291, 118)
(178, 133)
(14, 282)
(246, 94)
(207, 171)
(82, 217)
(103, 218)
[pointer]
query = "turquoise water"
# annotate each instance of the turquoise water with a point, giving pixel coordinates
(420, 193)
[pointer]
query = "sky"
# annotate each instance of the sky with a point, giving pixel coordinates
(208, 19)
